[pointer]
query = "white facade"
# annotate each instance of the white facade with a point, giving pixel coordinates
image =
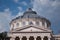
(30, 26)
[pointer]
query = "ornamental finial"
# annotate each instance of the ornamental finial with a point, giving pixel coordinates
(29, 9)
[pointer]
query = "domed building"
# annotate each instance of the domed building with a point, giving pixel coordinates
(31, 26)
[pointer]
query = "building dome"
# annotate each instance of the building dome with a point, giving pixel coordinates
(29, 18)
(29, 14)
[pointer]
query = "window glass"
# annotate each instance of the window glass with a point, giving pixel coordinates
(23, 23)
(37, 23)
(13, 25)
(30, 23)
(43, 23)
(17, 24)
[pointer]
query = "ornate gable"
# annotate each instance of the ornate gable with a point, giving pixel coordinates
(33, 29)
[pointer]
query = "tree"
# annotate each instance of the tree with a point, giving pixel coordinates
(3, 35)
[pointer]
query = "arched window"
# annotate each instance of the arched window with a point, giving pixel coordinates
(43, 24)
(31, 38)
(38, 38)
(17, 24)
(17, 38)
(12, 25)
(24, 38)
(37, 23)
(30, 23)
(23, 23)
(45, 38)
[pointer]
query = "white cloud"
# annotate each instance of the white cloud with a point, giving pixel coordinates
(49, 9)
(20, 9)
(19, 14)
(21, 3)
(45, 6)
(6, 10)
(24, 3)
(5, 18)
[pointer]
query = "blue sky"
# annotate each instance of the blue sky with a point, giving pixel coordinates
(49, 9)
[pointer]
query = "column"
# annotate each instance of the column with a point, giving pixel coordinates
(35, 37)
(42, 38)
(20, 38)
(27, 37)
(48, 38)
(12, 39)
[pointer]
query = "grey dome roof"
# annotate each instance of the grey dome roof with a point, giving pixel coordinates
(31, 14)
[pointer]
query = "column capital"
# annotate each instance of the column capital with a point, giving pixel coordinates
(28, 37)
(20, 36)
(42, 36)
(49, 37)
(14, 37)
(35, 36)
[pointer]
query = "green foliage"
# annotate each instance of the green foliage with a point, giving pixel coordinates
(3, 35)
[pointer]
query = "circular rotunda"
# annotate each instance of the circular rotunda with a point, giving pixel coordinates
(29, 18)
(30, 26)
